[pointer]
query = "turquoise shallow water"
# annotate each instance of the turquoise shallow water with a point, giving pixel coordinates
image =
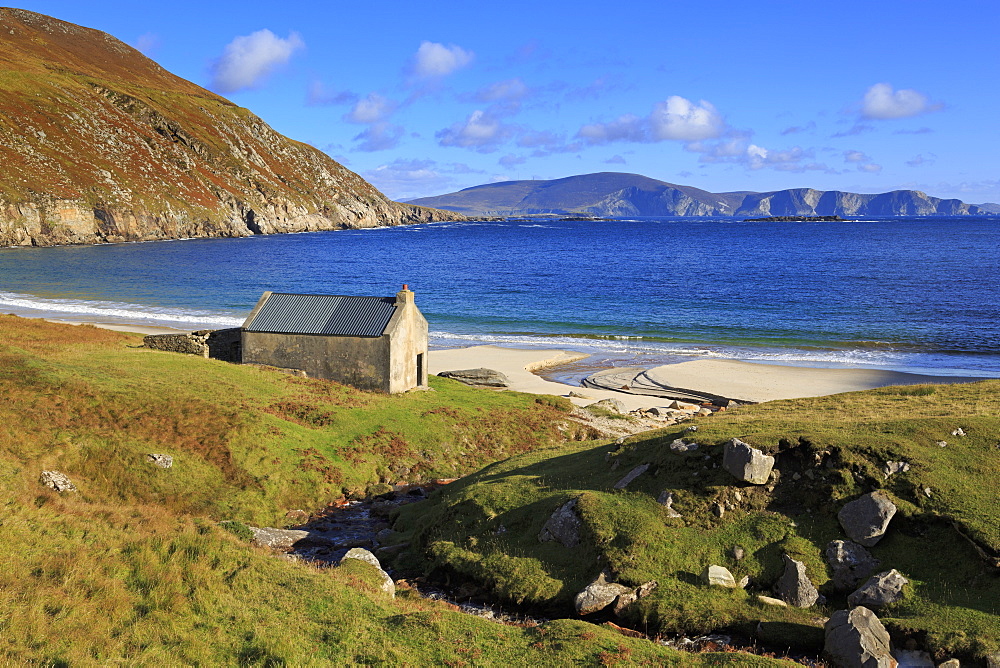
(906, 294)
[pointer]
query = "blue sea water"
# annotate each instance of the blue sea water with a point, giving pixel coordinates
(905, 294)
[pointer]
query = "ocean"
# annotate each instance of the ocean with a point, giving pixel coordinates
(916, 294)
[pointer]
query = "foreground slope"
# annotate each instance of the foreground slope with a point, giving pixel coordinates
(623, 195)
(134, 568)
(99, 143)
(487, 529)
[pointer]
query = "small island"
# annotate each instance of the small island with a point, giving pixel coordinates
(795, 219)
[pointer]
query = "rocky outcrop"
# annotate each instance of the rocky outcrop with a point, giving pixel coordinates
(160, 460)
(60, 482)
(100, 144)
(809, 202)
(866, 519)
(857, 639)
(598, 595)
(563, 526)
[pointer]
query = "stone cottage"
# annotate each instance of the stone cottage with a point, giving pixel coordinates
(371, 343)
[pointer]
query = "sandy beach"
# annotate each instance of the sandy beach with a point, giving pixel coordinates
(742, 381)
(746, 381)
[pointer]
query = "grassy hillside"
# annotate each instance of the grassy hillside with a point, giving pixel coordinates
(134, 568)
(945, 537)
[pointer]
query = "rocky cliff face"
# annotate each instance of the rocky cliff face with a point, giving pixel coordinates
(100, 144)
(809, 202)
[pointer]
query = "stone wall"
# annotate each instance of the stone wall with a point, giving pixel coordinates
(220, 344)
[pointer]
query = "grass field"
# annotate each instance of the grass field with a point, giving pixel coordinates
(134, 567)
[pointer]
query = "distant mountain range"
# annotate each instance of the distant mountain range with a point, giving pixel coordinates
(98, 143)
(614, 194)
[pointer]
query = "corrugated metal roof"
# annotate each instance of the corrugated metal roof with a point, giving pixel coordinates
(323, 314)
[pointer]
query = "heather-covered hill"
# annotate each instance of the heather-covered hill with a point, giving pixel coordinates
(100, 144)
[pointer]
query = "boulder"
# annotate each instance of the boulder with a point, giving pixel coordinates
(57, 481)
(631, 475)
(881, 590)
(718, 576)
(866, 519)
(163, 461)
(856, 639)
(794, 586)
(563, 526)
(484, 377)
(277, 539)
(361, 554)
(747, 463)
(598, 595)
(851, 564)
(776, 602)
(680, 445)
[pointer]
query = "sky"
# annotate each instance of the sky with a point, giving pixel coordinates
(425, 98)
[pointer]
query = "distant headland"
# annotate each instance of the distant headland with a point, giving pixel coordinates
(619, 195)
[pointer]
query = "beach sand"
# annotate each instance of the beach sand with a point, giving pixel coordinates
(746, 381)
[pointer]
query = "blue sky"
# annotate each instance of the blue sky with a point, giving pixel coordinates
(427, 98)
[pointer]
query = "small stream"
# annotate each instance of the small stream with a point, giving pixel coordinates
(338, 528)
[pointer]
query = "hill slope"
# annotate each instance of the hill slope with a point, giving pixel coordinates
(622, 195)
(99, 143)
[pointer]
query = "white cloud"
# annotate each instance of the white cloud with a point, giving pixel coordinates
(249, 59)
(882, 102)
(736, 148)
(480, 131)
(615, 160)
(506, 91)
(433, 60)
(674, 119)
(379, 137)
(862, 161)
(371, 109)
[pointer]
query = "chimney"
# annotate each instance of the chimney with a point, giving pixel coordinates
(405, 296)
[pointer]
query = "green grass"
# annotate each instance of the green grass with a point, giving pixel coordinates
(484, 529)
(146, 566)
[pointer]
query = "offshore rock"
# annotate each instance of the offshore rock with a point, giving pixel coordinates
(856, 639)
(866, 519)
(563, 526)
(747, 463)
